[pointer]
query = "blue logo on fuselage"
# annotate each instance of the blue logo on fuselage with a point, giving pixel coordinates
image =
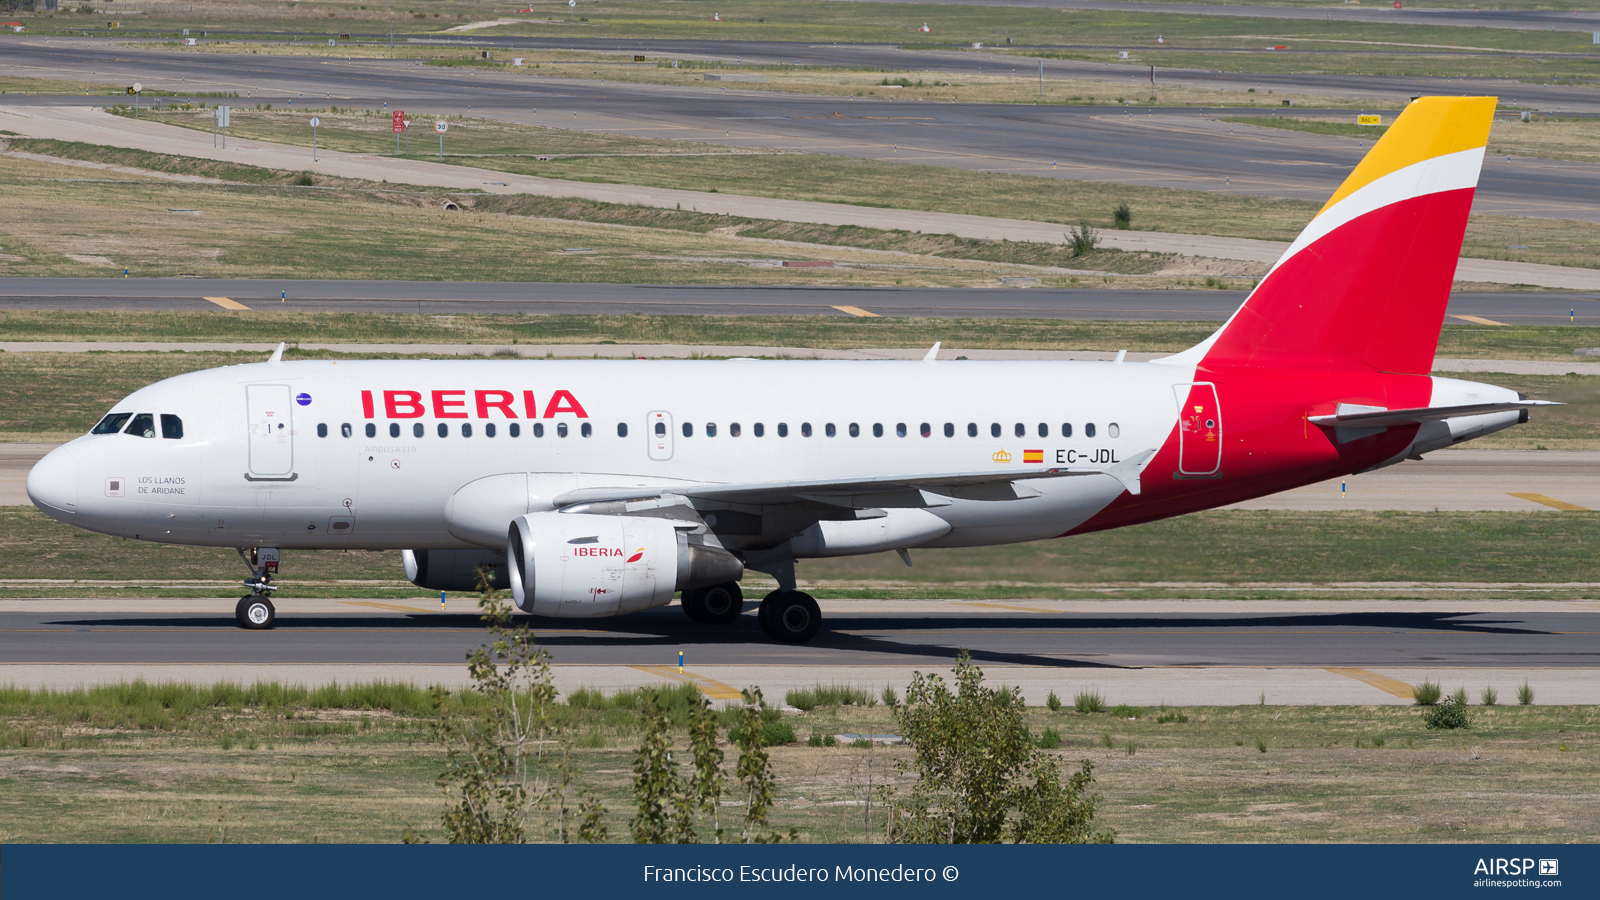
(303, 399)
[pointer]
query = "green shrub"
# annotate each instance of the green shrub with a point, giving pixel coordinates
(1460, 697)
(1525, 695)
(1261, 744)
(1426, 694)
(1108, 741)
(1124, 711)
(1082, 239)
(1377, 741)
(304, 179)
(1088, 702)
(773, 732)
(1446, 714)
(1488, 696)
(1131, 748)
(1049, 739)
(1122, 216)
(1172, 715)
(829, 695)
(818, 739)
(861, 743)
(1052, 702)
(889, 697)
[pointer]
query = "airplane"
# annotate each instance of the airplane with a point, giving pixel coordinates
(598, 488)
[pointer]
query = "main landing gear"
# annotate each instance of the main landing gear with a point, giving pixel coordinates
(715, 605)
(789, 617)
(255, 610)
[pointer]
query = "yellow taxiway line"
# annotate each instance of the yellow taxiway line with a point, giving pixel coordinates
(225, 303)
(1551, 502)
(712, 688)
(1381, 682)
(1478, 320)
(858, 311)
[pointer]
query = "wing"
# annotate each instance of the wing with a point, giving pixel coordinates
(893, 491)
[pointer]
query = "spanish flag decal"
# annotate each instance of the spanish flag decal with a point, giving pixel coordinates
(1033, 456)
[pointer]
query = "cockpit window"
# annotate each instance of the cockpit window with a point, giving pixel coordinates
(112, 424)
(171, 427)
(143, 425)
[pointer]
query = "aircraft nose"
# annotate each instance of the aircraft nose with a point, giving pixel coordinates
(53, 484)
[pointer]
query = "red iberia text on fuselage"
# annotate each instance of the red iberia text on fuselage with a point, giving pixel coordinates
(464, 404)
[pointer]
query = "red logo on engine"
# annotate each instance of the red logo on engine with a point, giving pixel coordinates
(637, 556)
(598, 551)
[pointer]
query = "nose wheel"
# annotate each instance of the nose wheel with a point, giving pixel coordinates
(255, 612)
(790, 617)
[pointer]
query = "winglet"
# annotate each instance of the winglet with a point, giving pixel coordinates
(277, 355)
(933, 355)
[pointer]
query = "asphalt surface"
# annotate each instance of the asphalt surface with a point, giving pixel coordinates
(1075, 640)
(432, 297)
(1180, 148)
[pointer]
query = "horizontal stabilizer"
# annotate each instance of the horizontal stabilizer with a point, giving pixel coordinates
(1353, 416)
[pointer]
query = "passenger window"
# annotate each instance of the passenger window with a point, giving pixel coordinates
(1044, 430)
(805, 429)
(783, 429)
(900, 429)
(855, 430)
(688, 429)
(538, 429)
(112, 424)
(372, 430)
(444, 430)
(466, 429)
(925, 429)
(345, 430)
(172, 427)
(759, 430)
(949, 429)
(622, 429)
(586, 430)
(877, 429)
(143, 425)
(1112, 430)
(1020, 429)
(488, 429)
(829, 430)
(416, 430)
(394, 429)
(994, 429)
(711, 429)
(514, 429)
(1066, 429)
(972, 429)
(322, 429)
(561, 429)
(1088, 429)
(733, 429)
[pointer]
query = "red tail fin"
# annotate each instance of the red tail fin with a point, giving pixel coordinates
(1366, 283)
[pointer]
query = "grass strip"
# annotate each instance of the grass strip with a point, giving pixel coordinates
(1240, 547)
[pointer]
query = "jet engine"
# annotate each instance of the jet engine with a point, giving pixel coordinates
(453, 570)
(575, 565)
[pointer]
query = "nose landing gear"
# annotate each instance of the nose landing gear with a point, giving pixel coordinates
(255, 610)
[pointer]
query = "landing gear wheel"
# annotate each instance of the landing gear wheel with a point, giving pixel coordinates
(694, 605)
(790, 617)
(721, 603)
(255, 612)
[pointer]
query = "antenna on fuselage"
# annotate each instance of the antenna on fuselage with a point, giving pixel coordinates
(933, 355)
(277, 355)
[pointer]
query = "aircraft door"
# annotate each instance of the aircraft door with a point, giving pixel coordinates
(658, 430)
(271, 422)
(1199, 429)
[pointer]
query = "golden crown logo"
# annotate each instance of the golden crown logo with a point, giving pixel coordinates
(1001, 456)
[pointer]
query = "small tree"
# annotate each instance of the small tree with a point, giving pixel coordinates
(755, 772)
(705, 788)
(980, 777)
(1122, 216)
(1082, 238)
(496, 763)
(657, 789)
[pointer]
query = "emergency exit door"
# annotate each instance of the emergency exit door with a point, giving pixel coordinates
(658, 430)
(1199, 429)
(271, 422)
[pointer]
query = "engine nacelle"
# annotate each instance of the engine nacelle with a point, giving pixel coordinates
(453, 570)
(586, 566)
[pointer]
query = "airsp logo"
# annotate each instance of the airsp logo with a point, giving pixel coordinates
(1549, 867)
(1516, 867)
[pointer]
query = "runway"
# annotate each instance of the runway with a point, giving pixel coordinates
(1161, 147)
(508, 298)
(926, 633)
